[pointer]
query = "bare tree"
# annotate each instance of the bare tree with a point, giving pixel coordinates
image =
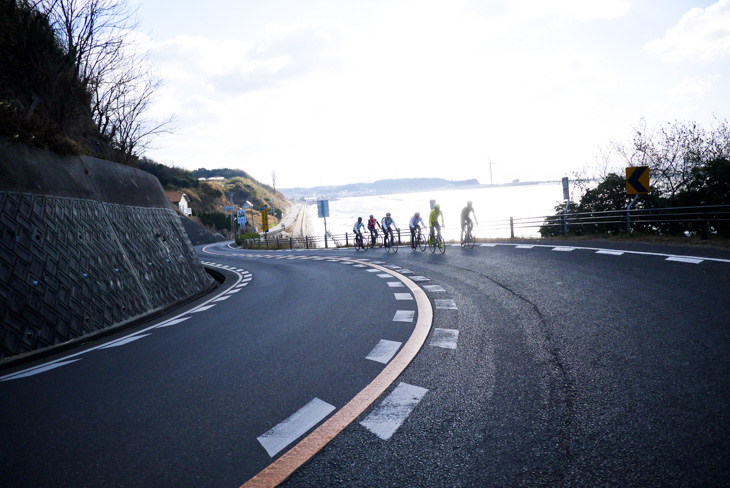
(672, 151)
(98, 36)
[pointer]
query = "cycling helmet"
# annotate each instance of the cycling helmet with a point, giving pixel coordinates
(371, 216)
(359, 219)
(388, 214)
(437, 206)
(418, 214)
(469, 203)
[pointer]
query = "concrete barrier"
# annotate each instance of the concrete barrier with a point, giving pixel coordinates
(85, 245)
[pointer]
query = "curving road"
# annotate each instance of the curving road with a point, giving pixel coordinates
(570, 365)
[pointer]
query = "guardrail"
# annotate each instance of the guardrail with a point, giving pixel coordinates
(698, 220)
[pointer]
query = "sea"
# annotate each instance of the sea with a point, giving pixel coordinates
(493, 206)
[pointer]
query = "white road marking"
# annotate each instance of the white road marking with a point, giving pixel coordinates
(445, 338)
(405, 271)
(403, 296)
(446, 304)
(384, 351)
(38, 370)
(487, 245)
(404, 316)
(224, 297)
(373, 270)
(286, 432)
(396, 284)
(524, 247)
(683, 259)
(384, 275)
(610, 252)
(563, 248)
(359, 266)
(434, 288)
(387, 417)
(419, 278)
(233, 290)
(203, 309)
(122, 342)
(172, 322)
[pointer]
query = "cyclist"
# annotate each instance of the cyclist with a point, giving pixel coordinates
(372, 223)
(413, 224)
(358, 228)
(386, 224)
(433, 220)
(465, 220)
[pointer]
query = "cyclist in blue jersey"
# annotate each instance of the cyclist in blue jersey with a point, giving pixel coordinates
(388, 224)
(414, 226)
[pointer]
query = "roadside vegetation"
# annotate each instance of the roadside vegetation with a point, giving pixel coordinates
(689, 166)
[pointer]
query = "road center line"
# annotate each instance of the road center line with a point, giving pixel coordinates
(299, 454)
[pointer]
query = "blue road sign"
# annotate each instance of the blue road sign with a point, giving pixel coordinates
(323, 208)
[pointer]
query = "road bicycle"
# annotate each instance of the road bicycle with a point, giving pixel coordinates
(436, 241)
(361, 244)
(419, 240)
(375, 239)
(389, 241)
(467, 236)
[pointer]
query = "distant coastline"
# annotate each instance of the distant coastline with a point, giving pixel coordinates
(400, 185)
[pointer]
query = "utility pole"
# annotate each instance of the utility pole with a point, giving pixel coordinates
(233, 229)
(491, 181)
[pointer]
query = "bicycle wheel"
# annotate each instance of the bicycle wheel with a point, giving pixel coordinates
(386, 242)
(464, 237)
(441, 244)
(421, 242)
(472, 240)
(358, 244)
(432, 243)
(393, 244)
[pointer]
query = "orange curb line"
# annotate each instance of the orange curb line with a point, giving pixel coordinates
(282, 468)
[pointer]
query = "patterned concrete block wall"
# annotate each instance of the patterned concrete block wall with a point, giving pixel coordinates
(72, 266)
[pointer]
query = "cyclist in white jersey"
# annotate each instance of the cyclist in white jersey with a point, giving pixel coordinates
(386, 224)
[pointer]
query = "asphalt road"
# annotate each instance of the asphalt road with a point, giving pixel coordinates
(543, 367)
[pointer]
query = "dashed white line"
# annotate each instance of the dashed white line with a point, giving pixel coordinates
(404, 316)
(394, 410)
(286, 432)
(38, 370)
(224, 297)
(434, 288)
(122, 342)
(384, 351)
(172, 322)
(396, 284)
(445, 338)
(610, 252)
(203, 309)
(447, 304)
(682, 259)
(403, 296)
(419, 278)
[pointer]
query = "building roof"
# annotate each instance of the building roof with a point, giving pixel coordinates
(175, 196)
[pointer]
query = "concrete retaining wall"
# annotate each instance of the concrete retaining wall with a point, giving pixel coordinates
(85, 245)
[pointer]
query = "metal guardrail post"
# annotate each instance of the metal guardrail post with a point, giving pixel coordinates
(325, 241)
(347, 241)
(399, 243)
(291, 243)
(511, 228)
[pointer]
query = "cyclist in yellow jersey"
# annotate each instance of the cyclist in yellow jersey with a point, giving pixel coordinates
(433, 220)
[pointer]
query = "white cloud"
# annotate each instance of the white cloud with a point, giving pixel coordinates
(692, 87)
(702, 34)
(575, 9)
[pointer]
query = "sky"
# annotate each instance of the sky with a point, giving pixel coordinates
(329, 92)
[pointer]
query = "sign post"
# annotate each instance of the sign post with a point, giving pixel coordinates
(265, 218)
(566, 197)
(323, 211)
(637, 183)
